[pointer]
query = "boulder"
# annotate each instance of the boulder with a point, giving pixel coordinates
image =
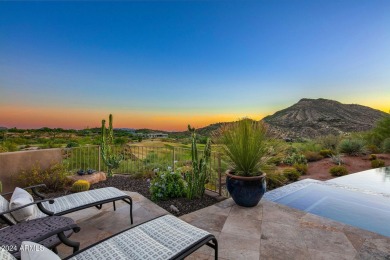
(91, 178)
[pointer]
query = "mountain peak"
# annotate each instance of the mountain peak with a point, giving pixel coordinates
(315, 117)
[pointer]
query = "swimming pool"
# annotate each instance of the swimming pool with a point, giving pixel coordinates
(346, 199)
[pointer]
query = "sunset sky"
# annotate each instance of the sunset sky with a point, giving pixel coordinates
(166, 64)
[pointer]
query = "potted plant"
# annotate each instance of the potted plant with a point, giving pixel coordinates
(245, 143)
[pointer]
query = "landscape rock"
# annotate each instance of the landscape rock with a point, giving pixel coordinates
(91, 178)
(174, 209)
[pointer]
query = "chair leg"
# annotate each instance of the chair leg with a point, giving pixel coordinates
(131, 211)
(99, 206)
(215, 246)
(114, 205)
(68, 242)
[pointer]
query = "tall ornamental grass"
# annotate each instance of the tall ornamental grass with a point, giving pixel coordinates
(245, 144)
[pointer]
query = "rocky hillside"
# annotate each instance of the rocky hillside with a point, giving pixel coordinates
(315, 117)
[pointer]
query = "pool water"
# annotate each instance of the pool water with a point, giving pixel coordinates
(375, 180)
(361, 200)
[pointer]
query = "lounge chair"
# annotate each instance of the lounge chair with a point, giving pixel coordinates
(165, 237)
(69, 203)
(48, 231)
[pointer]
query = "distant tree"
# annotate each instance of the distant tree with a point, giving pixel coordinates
(380, 132)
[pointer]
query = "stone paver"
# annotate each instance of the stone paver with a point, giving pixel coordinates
(267, 231)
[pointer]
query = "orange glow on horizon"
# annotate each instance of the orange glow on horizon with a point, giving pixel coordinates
(37, 117)
(76, 118)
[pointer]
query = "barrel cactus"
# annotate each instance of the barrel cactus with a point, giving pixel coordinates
(80, 185)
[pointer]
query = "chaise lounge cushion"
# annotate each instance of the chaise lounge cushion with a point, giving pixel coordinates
(5, 255)
(34, 251)
(20, 198)
(161, 238)
(4, 206)
(71, 201)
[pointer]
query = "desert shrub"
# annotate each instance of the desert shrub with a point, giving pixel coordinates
(381, 131)
(326, 153)
(313, 156)
(291, 174)
(372, 148)
(372, 157)
(275, 180)
(54, 177)
(167, 184)
(386, 145)
(352, 146)
(377, 163)
(337, 159)
(307, 146)
(338, 171)
(9, 146)
(3, 149)
(276, 160)
(329, 142)
(301, 167)
(80, 185)
(294, 158)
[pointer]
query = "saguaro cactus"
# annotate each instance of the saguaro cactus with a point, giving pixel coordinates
(111, 159)
(200, 172)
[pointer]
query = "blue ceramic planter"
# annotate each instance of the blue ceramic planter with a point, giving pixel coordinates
(246, 191)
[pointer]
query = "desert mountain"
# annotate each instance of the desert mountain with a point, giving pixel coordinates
(315, 117)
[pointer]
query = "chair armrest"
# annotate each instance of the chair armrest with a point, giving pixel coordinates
(39, 204)
(32, 188)
(75, 228)
(35, 191)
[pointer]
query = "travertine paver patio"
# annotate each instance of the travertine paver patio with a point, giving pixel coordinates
(267, 231)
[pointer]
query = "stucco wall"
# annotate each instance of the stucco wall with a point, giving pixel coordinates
(12, 163)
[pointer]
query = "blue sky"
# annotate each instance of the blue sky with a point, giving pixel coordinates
(164, 64)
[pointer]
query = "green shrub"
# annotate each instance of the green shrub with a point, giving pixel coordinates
(301, 167)
(352, 146)
(381, 131)
(167, 185)
(54, 177)
(313, 156)
(291, 174)
(372, 157)
(72, 144)
(9, 146)
(386, 145)
(276, 160)
(377, 163)
(329, 142)
(80, 185)
(338, 171)
(275, 180)
(295, 158)
(326, 153)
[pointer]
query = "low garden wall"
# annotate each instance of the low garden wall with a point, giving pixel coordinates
(14, 162)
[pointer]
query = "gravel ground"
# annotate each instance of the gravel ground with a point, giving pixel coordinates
(141, 186)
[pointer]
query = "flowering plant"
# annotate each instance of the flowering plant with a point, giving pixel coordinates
(167, 184)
